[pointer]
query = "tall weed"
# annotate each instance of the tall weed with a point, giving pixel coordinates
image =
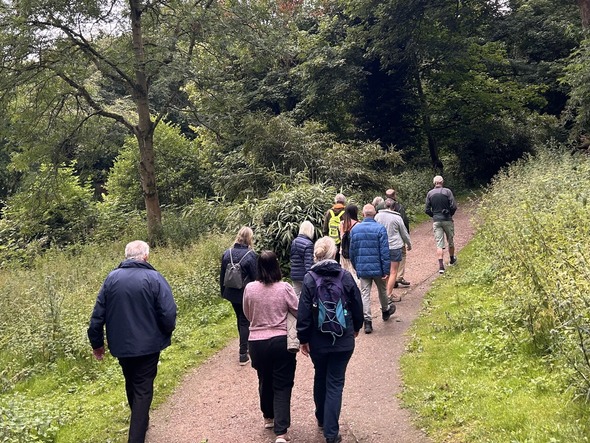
(534, 223)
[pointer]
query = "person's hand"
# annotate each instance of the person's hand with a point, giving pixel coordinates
(98, 353)
(408, 247)
(304, 348)
(356, 334)
(385, 277)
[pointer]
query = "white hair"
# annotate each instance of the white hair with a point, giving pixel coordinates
(307, 229)
(324, 249)
(340, 198)
(137, 250)
(437, 180)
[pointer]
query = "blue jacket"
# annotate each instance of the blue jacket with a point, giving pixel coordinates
(301, 257)
(369, 249)
(307, 328)
(249, 270)
(135, 303)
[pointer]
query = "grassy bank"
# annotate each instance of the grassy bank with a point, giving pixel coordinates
(52, 390)
(499, 353)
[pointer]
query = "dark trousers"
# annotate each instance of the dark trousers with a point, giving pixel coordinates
(328, 384)
(139, 373)
(243, 327)
(276, 371)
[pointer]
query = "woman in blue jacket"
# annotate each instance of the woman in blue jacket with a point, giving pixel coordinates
(241, 252)
(330, 354)
(302, 255)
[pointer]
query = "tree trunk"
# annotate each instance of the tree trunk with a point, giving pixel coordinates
(144, 130)
(432, 148)
(585, 12)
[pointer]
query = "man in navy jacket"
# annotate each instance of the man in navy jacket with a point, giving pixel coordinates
(369, 254)
(137, 307)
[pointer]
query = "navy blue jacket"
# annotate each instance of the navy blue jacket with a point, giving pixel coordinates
(301, 257)
(307, 328)
(136, 304)
(369, 249)
(249, 270)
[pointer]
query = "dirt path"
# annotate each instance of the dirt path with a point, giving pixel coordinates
(218, 401)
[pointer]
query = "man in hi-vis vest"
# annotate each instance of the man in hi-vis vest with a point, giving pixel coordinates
(332, 218)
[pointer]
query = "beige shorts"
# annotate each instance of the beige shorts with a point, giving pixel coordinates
(442, 228)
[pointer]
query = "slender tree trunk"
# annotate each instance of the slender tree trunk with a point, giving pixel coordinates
(585, 12)
(432, 147)
(144, 130)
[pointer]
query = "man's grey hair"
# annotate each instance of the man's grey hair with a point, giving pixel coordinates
(340, 198)
(377, 201)
(437, 180)
(137, 250)
(389, 203)
(369, 210)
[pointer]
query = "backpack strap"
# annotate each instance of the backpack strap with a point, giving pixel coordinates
(249, 250)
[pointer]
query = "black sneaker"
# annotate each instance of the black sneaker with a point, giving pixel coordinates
(453, 260)
(368, 327)
(441, 270)
(388, 313)
(402, 282)
(336, 439)
(244, 359)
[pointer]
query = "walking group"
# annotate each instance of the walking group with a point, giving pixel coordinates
(319, 313)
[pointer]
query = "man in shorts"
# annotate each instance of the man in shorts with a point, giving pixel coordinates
(441, 206)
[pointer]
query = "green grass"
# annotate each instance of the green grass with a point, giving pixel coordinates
(470, 379)
(51, 388)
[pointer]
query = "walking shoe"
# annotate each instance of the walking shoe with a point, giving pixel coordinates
(394, 298)
(269, 423)
(388, 313)
(283, 438)
(244, 359)
(441, 270)
(336, 439)
(368, 327)
(402, 282)
(453, 260)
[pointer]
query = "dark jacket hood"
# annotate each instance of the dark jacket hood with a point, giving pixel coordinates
(130, 263)
(326, 267)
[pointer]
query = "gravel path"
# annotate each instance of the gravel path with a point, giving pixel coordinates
(218, 401)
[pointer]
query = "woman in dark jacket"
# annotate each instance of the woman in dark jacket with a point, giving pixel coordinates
(330, 355)
(242, 253)
(302, 255)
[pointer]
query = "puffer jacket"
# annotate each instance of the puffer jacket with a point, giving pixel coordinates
(301, 257)
(136, 304)
(249, 270)
(307, 328)
(369, 249)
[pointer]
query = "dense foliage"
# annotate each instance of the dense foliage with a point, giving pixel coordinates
(535, 228)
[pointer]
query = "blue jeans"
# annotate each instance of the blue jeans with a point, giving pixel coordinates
(328, 384)
(275, 367)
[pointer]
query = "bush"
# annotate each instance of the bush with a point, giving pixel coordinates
(536, 230)
(53, 208)
(179, 170)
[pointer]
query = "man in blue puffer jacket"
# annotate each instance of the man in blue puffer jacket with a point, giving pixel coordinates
(135, 303)
(369, 253)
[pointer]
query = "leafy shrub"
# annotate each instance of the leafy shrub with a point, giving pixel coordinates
(53, 208)
(535, 227)
(179, 170)
(276, 219)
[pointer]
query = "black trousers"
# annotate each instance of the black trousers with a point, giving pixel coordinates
(243, 326)
(275, 367)
(139, 373)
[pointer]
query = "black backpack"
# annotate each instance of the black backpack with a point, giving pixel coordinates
(345, 245)
(233, 273)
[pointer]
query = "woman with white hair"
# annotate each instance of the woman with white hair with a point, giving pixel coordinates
(302, 255)
(329, 352)
(240, 253)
